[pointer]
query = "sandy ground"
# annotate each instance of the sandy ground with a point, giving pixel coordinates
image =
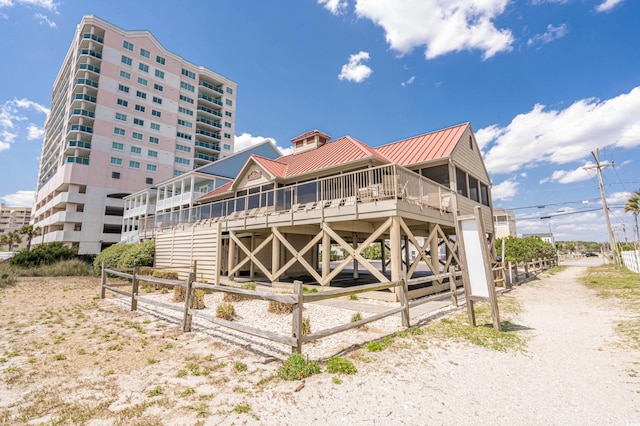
(67, 357)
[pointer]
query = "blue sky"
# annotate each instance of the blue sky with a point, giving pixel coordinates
(542, 82)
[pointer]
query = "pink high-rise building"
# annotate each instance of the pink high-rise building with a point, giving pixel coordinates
(125, 114)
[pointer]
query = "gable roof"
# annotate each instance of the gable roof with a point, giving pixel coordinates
(421, 148)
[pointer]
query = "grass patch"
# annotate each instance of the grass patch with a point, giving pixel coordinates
(624, 286)
(456, 327)
(340, 365)
(231, 297)
(556, 269)
(242, 408)
(226, 311)
(240, 366)
(280, 308)
(156, 391)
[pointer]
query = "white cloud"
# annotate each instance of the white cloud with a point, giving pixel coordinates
(336, 7)
(43, 19)
(49, 5)
(523, 174)
(355, 70)
(247, 140)
(439, 26)
(505, 190)
(34, 132)
(618, 198)
(19, 199)
(539, 2)
(607, 5)
(552, 33)
(408, 82)
(12, 113)
(571, 176)
(562, 136)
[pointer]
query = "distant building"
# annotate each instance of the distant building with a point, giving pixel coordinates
(504, 222)
(547, 238)
(12, 219)
(125, 113)
(179, 193)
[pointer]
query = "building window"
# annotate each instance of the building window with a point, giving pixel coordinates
(185, 123)
(134, 164)
(228, 114)
(186, 99)
(123, 88)
(183, 135)
(127, 45)
(178, 172)
(138, 122)
(141, 94)
(153, 139)
(227, 124)
(183, 148)
(187, 86)
(229, 90)
(151, 168)
(160, 74)
(125, 74)
(118, 131)
(137, 136)
(126, 60)
(461, 182)
(122, 102)
(142, 81)
(143, 67)
(181, 160)
(136, 149)
(155, 126)
(117, 146)
(228, 102)
(227, 147)
(160, 60)
(145, 53)
(115, 175)
(152, 153)
(474, 189)
(158, 87)
(188, 74)
(185, 111)
(157, 100)
(227, 136)
(156, 113)
(121, 117)
(116, 161)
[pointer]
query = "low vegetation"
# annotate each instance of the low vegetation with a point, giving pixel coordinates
(525, 249)
(226, 311)
(611, 282)
(125, 256)
(297, 367)
(231, 297)
(340, 365)
(64, 268)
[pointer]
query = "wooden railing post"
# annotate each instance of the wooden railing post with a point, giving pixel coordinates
(526, 269)
(453, 286)
(296, 322)
(103, 282)
(188, 302)
(510, 273)
(404, 301)
(134, 290)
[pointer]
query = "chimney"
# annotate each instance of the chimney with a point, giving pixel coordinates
(309, 140)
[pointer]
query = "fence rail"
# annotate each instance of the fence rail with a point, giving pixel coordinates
(631, 259)
(511, 269)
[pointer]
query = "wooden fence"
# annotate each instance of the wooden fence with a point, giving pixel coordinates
(297, 299)
(511, 270)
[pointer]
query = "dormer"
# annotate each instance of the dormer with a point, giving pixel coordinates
(309, 140)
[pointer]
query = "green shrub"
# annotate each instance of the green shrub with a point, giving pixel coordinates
(340, 365)
(141, 254)
(45, 254)
(296, 367)
(110, 257)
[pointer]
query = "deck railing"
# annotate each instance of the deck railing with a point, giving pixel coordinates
(362, 186)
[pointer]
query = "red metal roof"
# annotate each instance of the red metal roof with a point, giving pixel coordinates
(430, 146)
(219, 190)
(275, 167)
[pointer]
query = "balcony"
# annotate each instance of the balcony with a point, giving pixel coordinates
(209, 122)
(80, 128)
(205, 157)
(78, 160)
(210, 99)
(208, 134)
(82, 112)
(79, 144)
(211, 87)
(209, 111)
(213, 147)
(92, 37)
(90, 52)
(87, 82)
(84, 97)
(89, 67)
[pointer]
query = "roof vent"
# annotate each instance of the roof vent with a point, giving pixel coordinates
(309, 140)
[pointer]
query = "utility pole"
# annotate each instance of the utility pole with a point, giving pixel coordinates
(599, 166)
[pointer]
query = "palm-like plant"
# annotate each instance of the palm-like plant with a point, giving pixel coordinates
(30, 231)
(10, 238)
(633, 206)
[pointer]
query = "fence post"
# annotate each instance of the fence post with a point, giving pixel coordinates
(510, 274)
(103, 282)
(526, 269)
(453, 286)
(134, 290)
(188, 301)
(296, 322)
(404, 301)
